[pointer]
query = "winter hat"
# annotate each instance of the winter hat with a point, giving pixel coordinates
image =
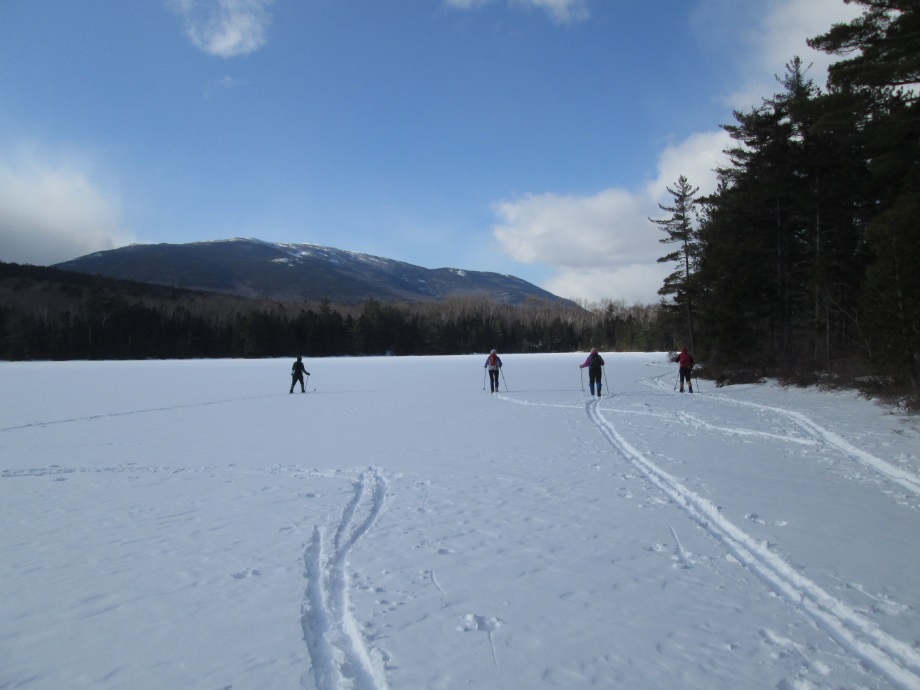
(493, 352)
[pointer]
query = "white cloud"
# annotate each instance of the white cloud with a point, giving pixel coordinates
(225, 28)
(560, 11)
(569, 231)
(465, 4)
(781, 36)
(696, 158)
(52, 212)
(603, 245)
(225, 83)
(631, 283)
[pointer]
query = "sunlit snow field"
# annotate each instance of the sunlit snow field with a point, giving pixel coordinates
(190, 525)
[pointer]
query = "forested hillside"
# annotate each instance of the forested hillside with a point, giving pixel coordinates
(805, 259)
(47, 313)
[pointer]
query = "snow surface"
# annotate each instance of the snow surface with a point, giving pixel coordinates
(189, 524)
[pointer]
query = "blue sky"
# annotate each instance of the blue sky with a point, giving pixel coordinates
(529, 137)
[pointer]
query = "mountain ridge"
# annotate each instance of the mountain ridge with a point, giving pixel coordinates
(252, 267)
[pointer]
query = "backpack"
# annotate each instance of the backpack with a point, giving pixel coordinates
(493, 360)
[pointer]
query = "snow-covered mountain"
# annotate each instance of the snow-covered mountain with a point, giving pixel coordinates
(254, 268)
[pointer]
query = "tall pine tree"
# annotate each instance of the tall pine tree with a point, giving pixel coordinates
(884, 70)
(680, 230)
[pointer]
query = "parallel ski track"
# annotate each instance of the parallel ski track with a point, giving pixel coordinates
(906, 479)
(895, 659)
(338, 652)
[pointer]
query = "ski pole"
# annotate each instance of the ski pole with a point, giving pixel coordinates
(582, 374)
(483, 378)
(604, 369)
(503, 379)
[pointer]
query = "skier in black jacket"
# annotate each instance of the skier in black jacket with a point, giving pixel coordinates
(297, 372)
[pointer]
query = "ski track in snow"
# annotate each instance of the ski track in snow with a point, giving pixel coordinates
(338, 653)
(340, 657)
(905, 478)
(895, 659)
(129, 413)
(819, 434)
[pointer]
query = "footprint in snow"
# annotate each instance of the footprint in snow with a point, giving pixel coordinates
(475, 623)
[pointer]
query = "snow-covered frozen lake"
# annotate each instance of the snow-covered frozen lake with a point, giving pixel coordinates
(191, 525)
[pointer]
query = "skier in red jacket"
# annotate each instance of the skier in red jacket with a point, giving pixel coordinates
(685, 362)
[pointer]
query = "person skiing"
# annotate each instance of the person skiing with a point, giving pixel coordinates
(685, 362)
(494, 365)
(595, 364)
(297, 372)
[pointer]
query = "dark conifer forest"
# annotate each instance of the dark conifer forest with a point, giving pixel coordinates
(803, 264)
(46, 313)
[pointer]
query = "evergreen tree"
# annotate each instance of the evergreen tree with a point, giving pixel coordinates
(746, 242)
(885, 72)
(885, 42)
(680, 230)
